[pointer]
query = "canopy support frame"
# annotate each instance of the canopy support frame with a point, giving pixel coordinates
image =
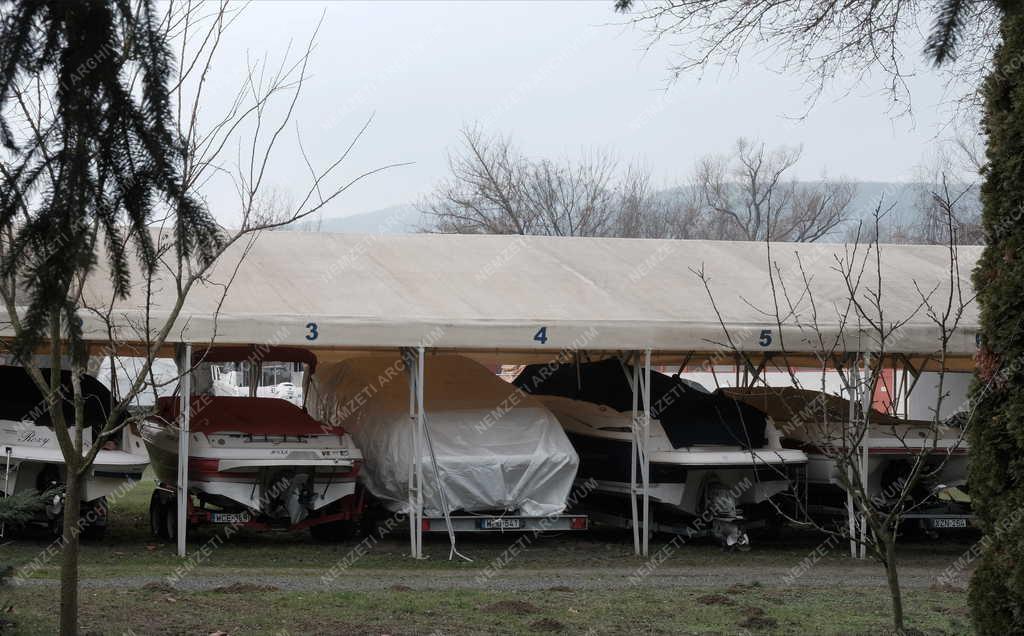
(640, 425)
(859, 394)
(184, 433)
(414, 362)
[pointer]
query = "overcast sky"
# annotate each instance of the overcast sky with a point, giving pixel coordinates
(559, 78)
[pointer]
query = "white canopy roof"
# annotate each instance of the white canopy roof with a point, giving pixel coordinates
(545, 294)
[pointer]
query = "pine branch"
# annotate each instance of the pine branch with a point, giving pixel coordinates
(941, 46)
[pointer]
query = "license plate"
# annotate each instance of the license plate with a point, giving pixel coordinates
(229, 517)
(949, 523)
(501, 524)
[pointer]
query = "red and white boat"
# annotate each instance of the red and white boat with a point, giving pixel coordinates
(257, 462)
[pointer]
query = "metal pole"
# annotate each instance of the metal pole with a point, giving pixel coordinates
(634, 459)
(851, 393)
(414, 365)
(867, 394)
(645, 439)
(906, 393)
(411, 370)
(184, 431)
(420, 434)
(7, 486)
(7, 471)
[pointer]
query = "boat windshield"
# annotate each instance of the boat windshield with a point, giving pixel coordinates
(267, 379)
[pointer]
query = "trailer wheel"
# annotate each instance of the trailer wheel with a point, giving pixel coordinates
(334, 531)
(95, 529)
(157, 525)
(170, 518)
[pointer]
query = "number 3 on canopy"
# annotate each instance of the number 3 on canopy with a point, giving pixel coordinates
(311, 331)
(542, 335)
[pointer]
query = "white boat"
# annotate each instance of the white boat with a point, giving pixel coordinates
(817, 424)
(709, 455)
(31, 457)
(255, 461)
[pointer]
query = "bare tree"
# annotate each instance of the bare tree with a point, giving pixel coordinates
(948, 211)
(945, 198)
(647, 213)
(93, 315)
(748, 195)
(800, 315)
(495, 189)
(828, 40)
(948, 195)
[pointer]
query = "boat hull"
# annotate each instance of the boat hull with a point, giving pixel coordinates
(885, 468)
(31, 459)
(273, 480)
(681, 479)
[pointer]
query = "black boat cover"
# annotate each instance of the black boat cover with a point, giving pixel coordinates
(20, 398)
(689, 416)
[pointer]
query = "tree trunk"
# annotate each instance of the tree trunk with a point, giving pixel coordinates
(69, 562)
(893, 578)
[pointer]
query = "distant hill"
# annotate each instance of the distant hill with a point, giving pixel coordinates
(405, 218)
(395, 219)
(905, 196)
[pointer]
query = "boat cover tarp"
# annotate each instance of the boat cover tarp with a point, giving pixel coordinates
(247, 415)
(792, 406)
(496, 447)
(22, 399)
(820, 419)
(690, 417)
(162, 380)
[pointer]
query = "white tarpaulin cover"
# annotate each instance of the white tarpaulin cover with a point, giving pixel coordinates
(543, 294)
(496, 447)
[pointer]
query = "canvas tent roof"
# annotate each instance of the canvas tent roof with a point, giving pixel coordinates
(495, 293)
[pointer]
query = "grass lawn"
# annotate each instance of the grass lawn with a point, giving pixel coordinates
(768, 608)
(128, 550)
(239, 610)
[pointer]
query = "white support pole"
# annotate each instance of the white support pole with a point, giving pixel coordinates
(645, 438)
(415, 363)
(634, 459)
(851, 394)
(184, 432)
(859, 393)
(867, 395)
(410, 370)
(7, 483)
(420, 447)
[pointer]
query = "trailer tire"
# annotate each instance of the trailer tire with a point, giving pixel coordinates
(170, 519)
(96, 529)
(334, 531)
(157, 524)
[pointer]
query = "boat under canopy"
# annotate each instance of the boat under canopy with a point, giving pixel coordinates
(32, 457)
(689, 416)
(488, 446)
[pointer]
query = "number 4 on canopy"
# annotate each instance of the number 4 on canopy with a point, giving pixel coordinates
(542, 335)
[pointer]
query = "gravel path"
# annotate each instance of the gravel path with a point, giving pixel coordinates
(818, 576)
